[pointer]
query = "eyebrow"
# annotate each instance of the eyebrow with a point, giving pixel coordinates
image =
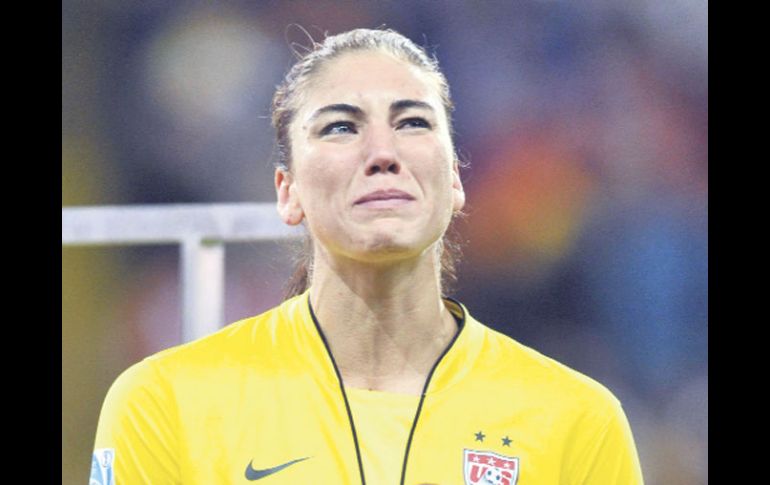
(395, 108)
(404, 104)
(338, 108)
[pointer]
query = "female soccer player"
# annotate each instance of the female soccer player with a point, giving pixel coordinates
(367, 374)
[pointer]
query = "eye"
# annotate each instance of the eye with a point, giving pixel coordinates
(414, 123)
(339, 128)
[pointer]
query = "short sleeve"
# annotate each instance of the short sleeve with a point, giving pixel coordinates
(136, 438)
(602, 450)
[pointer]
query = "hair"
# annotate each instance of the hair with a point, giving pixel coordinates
(287, 99)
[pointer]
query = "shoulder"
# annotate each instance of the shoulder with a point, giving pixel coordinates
(521, 365)
(152, 389)
(578, 408)
(246, 341)
(252, 342)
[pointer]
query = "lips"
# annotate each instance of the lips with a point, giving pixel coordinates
(390, 194)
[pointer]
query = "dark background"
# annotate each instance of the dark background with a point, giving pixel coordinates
(585, 128)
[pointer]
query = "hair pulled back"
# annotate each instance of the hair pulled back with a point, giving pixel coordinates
(288, 97)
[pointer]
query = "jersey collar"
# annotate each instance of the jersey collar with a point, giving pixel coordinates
(452, 366)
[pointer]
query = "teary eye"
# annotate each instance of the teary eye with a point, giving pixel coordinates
(414, 123)
(339, 128)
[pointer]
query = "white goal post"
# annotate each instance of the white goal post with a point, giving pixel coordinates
(200, 229)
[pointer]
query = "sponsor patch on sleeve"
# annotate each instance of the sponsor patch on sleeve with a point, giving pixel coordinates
(102, 472)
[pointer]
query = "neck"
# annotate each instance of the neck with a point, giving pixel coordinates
(386, 325)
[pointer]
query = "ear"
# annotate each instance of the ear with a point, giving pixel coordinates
(288, 204)
(458, 193)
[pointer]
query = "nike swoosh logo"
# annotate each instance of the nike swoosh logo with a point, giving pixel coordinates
(252, 474)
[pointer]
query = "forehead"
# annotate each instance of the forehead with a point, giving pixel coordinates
(370, 76)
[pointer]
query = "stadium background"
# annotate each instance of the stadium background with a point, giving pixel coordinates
(585, 125)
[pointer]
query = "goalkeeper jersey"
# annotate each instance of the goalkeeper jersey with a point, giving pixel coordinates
(261, 401)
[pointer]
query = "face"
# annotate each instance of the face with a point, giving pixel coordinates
(373, 170)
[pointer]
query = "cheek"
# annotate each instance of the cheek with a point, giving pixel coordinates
(436, 172)
(443, 180)
(321, 180)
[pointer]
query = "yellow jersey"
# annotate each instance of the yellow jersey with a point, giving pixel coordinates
(262, 401)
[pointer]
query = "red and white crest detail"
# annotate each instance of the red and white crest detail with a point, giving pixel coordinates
(487, 468)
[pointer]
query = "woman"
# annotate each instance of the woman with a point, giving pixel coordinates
(367, 374)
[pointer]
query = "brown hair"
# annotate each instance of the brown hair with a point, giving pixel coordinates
(285, 103)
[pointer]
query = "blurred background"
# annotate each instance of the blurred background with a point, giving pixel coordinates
(585, 127)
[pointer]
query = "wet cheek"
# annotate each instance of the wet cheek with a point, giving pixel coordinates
(316, 166)
(435, 169)
(322, 184)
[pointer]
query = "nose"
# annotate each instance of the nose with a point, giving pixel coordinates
(381, 155)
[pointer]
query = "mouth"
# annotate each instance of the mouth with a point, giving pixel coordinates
(385, 198)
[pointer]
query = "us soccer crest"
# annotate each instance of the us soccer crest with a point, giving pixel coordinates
(487, 468)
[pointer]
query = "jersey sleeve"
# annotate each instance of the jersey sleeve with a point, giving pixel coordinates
(602, 451)
(136, 438)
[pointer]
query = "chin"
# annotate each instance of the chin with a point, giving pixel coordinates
(384, 247)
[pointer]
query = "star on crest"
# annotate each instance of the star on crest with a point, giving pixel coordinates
(506, 441)
(480, 436)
